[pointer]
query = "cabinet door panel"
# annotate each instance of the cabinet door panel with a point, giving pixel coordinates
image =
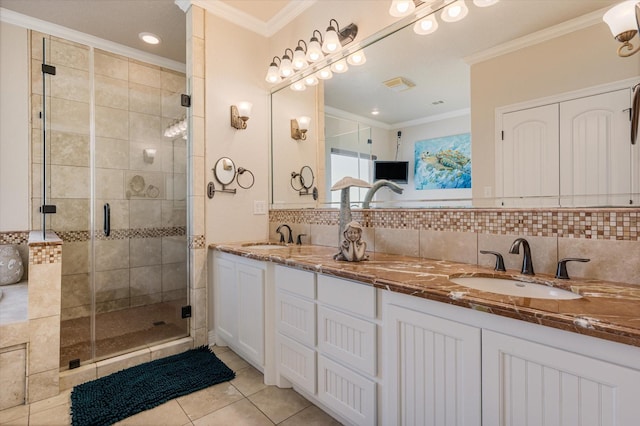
(595, 152)
(226, 295)
(432, 371)
(296, 318)
(346, 392)
(297, 363)
(347, 339)
(250, 314)
(526, 383)
(530, 156)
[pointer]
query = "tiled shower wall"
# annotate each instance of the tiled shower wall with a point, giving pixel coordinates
(610, 238)
(143, 261)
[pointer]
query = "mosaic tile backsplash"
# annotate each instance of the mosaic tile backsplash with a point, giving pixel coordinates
(600, 224)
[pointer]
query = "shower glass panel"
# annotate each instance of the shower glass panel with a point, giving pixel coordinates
(119, 185)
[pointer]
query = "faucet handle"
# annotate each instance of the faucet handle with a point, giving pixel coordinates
(299, 239)
(561, 272)
(499, 260)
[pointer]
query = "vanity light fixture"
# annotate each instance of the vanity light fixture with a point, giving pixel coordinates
(286, 67)
(623, 20)
(299, 127)
(240, 114)
(400, 8)
(273, 73)
(149, 38)
(331, 42)
(311, 80)
(298, 86)
(357, 58)
(485, 3)
(426, 25)
(455, 11)
(314, 49)
(299, 60)
(340, 66)
(176, 128)
(324, 74)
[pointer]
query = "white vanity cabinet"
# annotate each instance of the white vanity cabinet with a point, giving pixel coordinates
(239, 294)
(527, 383)
(326, 341)
(448, 365)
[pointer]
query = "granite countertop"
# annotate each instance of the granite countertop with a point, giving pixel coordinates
(607, 310)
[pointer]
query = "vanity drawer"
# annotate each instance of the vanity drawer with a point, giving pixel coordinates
(296, 281)
(348, 295)
(346, 392)
(297, 363)
(296, 317)
(347, 339)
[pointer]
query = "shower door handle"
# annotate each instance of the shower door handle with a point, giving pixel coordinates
(107, 219)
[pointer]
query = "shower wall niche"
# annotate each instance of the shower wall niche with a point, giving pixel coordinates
(120, 189)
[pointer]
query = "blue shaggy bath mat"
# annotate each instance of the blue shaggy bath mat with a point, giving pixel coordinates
(112, 398)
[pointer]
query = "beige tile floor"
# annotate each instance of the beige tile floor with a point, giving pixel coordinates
(245, 400)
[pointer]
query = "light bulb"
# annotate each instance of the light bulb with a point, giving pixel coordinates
(357, 58)
(485, 3)
(455, 11)
(324, 74)
(310, 80)
(299, 59)
(426, 25)
(331, 41)
(340, 66)
(298, 86)
(400, 8)
(314, 50)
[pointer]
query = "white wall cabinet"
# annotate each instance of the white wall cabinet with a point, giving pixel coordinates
(573, 153)
(239, 294)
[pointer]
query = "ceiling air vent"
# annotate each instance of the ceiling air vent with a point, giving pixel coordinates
(399, 84)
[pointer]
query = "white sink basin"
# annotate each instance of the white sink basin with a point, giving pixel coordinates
(262, 246)
(515, 288)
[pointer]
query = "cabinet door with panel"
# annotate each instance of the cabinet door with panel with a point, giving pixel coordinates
(239, 293)
(527, 383)
(432, 370)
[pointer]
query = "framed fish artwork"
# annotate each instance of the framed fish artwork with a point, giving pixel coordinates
(443, 163)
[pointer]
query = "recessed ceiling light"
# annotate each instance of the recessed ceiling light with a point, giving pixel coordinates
(149, 38)
(375, 112)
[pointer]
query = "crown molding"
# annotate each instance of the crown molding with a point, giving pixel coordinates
(433, 118)
(546, 34)
(246, 21)
(45, 27)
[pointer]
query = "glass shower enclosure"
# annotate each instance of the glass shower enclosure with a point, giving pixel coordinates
(109, 151)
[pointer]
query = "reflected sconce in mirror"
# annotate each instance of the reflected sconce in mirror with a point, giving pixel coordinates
(624, 22)
(401, 8)
(455, 11)
(149, 154)
(299, 127)
(240, 114)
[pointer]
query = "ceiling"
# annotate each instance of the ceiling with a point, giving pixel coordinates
(434, 62)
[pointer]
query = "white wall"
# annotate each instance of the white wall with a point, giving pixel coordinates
(235, 66)
(14, 128)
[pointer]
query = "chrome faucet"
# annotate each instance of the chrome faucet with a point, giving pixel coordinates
(527, 262)
(290, 239)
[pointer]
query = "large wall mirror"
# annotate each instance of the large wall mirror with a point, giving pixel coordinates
(439, 102)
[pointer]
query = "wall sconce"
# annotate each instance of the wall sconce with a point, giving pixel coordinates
(624, 22)
(299, 127)
(240, 115)
(148, 154)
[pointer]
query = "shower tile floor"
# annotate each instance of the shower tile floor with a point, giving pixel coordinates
(245, 400)
(121, 331)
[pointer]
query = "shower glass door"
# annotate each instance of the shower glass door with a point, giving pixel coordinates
(113, 162)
